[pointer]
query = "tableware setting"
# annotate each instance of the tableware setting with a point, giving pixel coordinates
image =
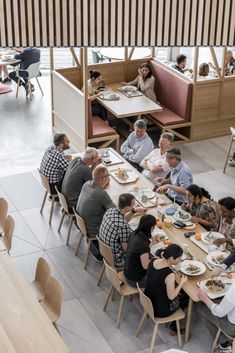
(215, 258)
(210, 237)
(109, 158)
(192, 268)
(181, 215)
(216, 287)
(124, 175)
(204, 245)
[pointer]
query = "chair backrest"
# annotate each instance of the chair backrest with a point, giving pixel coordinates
(44, 182)
(33, 70)
(112, 276)
(43, 273)
(232, 131)
(146, 303)
(8, 232)
(106, 252)
(80, 223)
(63, 201)
(95, 56)
(3, 213)
(53, 296)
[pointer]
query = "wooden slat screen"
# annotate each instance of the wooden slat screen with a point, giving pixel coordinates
(68, 23)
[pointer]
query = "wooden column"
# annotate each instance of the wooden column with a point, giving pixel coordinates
(85, 88)
(52, 91)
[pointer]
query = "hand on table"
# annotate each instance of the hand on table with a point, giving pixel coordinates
(69, 157)
(159, 179)
(140, 209)
(184, 206)
(162, 188)
(217, 271)
(183, 280)
(194, 219)
(221, 241)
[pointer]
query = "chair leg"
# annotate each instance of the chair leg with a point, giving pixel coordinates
(153, 338)
(56, 327)
(79, 243)
(233, 348)
(87, 254)
(61, 221)
(52, 209)
(18, 86)
(140, 324)
(30, 90)
(120, 311)
(69, 230)
(39, 86)
(215, 340)
(110, 292)
(43, 202)
(228, 154)
(178, 333)
(117, 144)
(101, 275)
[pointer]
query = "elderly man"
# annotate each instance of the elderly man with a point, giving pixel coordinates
(55, 162)
(79, 171)
(115, 230)
(155, 164)
(138, 145)
(93, 202)
(180, 177)
(180, 66)
(229, 63)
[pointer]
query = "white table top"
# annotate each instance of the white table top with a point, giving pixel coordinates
(118, 53)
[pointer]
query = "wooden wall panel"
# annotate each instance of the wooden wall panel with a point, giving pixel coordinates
(117, 23)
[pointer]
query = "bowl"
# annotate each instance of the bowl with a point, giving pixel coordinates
(169, 211)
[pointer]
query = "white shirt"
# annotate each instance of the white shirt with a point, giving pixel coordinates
(226, 306)
(157, 160)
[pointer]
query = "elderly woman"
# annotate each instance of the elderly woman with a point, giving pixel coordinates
(145, 82)
(201, 207)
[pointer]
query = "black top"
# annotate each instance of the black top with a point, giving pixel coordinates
(28, 56)
(176, 67)
(155, 289)
(138, 244)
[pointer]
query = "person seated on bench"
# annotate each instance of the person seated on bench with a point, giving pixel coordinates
(138, 145)
(94, 85)
(181, 61)
(155, 164)
(203, 71)
(145, 82)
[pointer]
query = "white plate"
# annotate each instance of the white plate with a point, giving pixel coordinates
(214, 292)
(129, 88)
(178, 218)
(186, 263)
(212, 237)
(214, 254)
(149, 193)
(130, 177)
(159, 232)
(157, 246)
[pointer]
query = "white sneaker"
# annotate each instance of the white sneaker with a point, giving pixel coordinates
(221, 349)
(231, 162)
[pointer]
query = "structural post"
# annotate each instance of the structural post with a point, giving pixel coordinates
(52, 87)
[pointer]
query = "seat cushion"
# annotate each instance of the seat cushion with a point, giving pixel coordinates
(100, 128)
(167, 117)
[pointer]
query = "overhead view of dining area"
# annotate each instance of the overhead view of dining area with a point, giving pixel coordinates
(117, 192)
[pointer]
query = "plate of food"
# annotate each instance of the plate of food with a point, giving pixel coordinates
(159, 234)
(124, 176)
(182, 215)
(215, 285)
(192, 268)
(210, 237)
(148, 193)
(157, 246)
(215, 258)
(128, 88)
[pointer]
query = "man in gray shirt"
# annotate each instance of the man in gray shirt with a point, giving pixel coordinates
(79, 171)
(93, 202)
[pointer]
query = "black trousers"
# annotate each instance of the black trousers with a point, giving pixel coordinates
(23, 76)
(98, 109)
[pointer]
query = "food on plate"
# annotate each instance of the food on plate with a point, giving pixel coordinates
(167, 242)
(217, 259)
(122, 173)
(183, 215)
(229, 275)
(210, 238)
(159, 223)
(192, 269)
(198, 236)
(215, 285)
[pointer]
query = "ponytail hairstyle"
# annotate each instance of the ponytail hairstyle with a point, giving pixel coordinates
(228, 202)
(94, 74)
(146, 224)
(195, 190)
(173, 250)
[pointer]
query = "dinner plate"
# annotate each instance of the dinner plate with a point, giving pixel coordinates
(185, 264)
(178, 217)
(130, 176)
(210, 237)
(159, 233)
(213, 291)
(149, 193)
(157, 246)
(129, 88)
(211, 257)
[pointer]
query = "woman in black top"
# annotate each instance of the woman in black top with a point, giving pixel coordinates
(160, 283)
(138, 252)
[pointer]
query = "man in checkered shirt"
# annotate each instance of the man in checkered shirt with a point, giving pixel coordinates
(115, 230)
(55, 162)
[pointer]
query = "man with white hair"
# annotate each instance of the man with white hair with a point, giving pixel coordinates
(138, 145)
(79, 171)
(229, 63)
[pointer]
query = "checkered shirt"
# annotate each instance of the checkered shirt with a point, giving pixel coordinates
(54, 164)
(114, 231)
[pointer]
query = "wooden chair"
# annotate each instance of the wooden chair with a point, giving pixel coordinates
(107, 254)
(52, 301)
(3, 214)
(148, 311)
(230, 147)
(83, 234)
(46, 186)
(217, 337)
(8, 233)
(117, 283)
(42, 275)
(65, 211)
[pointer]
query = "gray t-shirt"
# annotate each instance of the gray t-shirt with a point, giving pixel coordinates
(92, 204)
(75, 177)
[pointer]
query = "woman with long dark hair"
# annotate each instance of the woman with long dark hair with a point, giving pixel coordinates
(145, 82)
(138, 252)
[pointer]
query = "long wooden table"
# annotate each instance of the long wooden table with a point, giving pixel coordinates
(24, 327)
(176, 235)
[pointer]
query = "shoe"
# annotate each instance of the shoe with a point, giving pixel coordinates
(56, 199)
(0, 79)
(7, 80)
(174, 333)
(26, 87)
(97, 257)
(32, 88)
(227, 349)
(231, 162)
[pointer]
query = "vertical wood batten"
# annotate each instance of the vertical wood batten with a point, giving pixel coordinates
(37, 27)
(9, 24)
(23, 24)
(30, 23)
(51, 25)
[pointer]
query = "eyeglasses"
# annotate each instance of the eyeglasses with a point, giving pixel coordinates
(105, 176)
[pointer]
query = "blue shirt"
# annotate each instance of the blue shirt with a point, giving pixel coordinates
(180, 176)
(135, 149)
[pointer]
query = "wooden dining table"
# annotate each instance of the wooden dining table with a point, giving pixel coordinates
(24, 326)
